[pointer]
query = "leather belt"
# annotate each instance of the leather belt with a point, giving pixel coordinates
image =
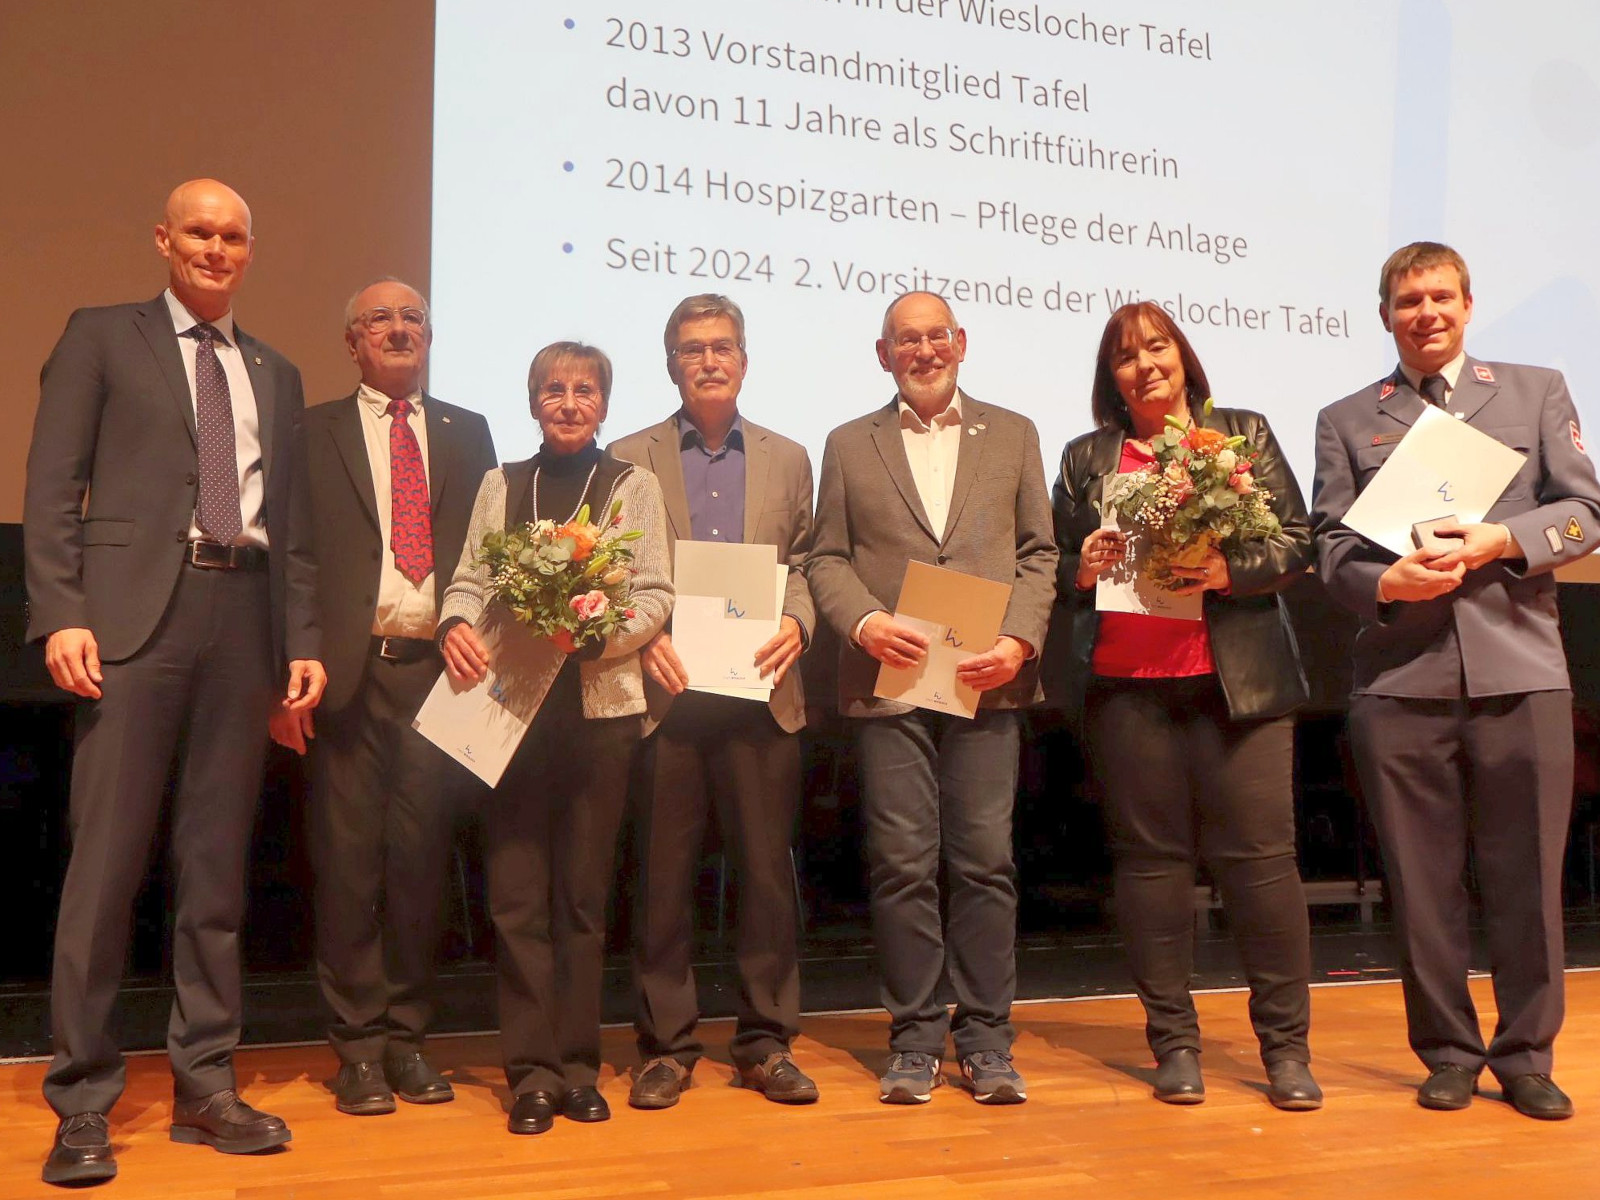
(402, 649)
(214, 556)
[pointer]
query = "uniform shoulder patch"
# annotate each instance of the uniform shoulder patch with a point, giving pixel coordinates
(1573, 532)
(1483, 373)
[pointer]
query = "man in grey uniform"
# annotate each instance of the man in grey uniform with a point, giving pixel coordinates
(1461, 713)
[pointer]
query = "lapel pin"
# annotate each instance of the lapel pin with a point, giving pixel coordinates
(446, 420)
(258, 360)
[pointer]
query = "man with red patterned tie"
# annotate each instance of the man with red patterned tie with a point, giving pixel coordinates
(393, 472)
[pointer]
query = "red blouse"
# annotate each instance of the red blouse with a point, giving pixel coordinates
(1135, 646)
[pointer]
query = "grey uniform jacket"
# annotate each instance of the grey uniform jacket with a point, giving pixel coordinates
(777, 512)
(116, 421)
(870, 523)
(1496, 634)
(613, 684)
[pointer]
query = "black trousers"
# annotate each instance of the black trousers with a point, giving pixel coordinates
(383, 815)
(717, 752)
(201, 689)
(1495, 774)
(1183, 782)
(552, 831)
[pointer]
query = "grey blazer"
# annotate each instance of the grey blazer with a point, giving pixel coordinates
(1497, 634)
(870, 523)
(613, 684)
(777, 512)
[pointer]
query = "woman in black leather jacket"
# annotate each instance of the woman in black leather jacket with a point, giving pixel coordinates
(1187, 724)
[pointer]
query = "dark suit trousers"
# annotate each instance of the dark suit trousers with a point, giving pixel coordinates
(940, 787)
(201, 688)
(552, 830)
(1183, 782)
(382, 825)
(716, 751)
(1495, 774)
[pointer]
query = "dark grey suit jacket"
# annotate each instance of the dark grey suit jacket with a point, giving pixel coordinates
(1497, 634)
(870, 523)
(777, 512)
(116, 422)
(347, 536)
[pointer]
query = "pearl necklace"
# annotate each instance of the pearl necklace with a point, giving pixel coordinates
(581, 495)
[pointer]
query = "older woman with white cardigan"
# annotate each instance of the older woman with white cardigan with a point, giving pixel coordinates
(552, 821)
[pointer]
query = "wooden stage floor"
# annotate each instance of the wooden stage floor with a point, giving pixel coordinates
(1089, 1129)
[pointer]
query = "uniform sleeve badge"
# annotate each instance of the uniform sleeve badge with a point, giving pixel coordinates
(1577, 437)
(1573, 532)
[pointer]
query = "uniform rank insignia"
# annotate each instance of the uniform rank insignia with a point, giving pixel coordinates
(1573, 532)
(1483, 373)
(1577, 437)
(1387, 439)
(1387, 390)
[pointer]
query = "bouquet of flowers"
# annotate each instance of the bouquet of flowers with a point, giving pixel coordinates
(1198, 494)
(563, 581)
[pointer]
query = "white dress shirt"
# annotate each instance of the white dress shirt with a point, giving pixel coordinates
(246, 421)
(404, 609)
(932, 449)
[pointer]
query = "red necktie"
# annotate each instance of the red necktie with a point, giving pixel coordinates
(410, 523)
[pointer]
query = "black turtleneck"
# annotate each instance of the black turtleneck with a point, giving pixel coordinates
(561, 479)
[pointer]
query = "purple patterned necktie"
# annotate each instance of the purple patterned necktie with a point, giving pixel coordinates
(410, 522)
(218, 510)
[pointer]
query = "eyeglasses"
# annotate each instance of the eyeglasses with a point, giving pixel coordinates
(723, 351)
(939, 339)
(379, 319)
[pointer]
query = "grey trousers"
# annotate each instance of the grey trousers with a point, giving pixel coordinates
(1496, 774)
(939, 788)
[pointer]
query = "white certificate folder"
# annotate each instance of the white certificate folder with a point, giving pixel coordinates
(961, 616)
(729, 604)
(1442, 467)
(481, 725)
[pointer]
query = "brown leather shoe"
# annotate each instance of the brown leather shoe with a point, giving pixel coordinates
(1291, 1087)
(226, 1123)
(658, 1084)
(777, 1078)
(359, 1090)
(82, 1152)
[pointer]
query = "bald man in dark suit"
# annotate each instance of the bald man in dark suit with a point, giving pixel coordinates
(168, 574)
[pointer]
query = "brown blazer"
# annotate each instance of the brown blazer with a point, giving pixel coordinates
(870, 523)
(777, 512)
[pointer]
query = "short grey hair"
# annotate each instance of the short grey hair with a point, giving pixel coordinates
(888, 313)
(698, 308)
(350, 312)
(556, 353)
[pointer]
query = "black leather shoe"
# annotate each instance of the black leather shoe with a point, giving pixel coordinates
(359, 1090)
(777, 1078)
(584, 1104)
(658, 1084)
(532, 1112)
(226, 1123)
(1537, 1096)
(82, 1151)
(1291, 1088)
(1449, 1087)
(1178, 1078)
(414, 1079)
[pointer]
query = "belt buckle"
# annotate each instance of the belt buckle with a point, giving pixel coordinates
(210, 556)
(385, 652)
